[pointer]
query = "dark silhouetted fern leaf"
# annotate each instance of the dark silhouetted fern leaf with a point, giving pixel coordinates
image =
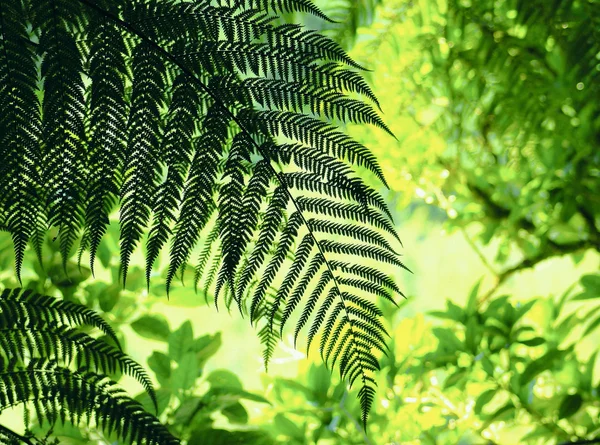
(50, 366)
(211, 128)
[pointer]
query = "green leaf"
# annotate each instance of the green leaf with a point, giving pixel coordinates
(226, 395)
(288, 428)
(163, 397)
(586, 295)
(188, 411)
(591, 283)
(472, 335)
(223, 437)
(487, 366)
(471, 306)
(570, 405)
(543, 363)
(161, 365)
(448, 338)
(104, 254)
(206, 346)
(223, 378)
(236, 413)
(319, 379)
(455, 378)
(186, 372)
(483, 400)
(109, 297)
(521, 311)
(181, 341)
(535, 341)
(454, 312)
(502, 413)
(587, 379)
(591, 327)
(155, 327)
(69, 276)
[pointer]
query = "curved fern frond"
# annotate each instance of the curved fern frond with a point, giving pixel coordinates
(187, 114)
(48, 363)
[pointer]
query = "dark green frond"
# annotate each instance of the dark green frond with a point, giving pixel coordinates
(108, 120)
(210, 127)
(18, 304)
(62, 373)
(142, 159)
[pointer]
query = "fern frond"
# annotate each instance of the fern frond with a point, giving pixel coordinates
(63, 110)
(177, 147)
(108, 122)
(18, 304)
(197, 203)
(62, 372)
(193, 113)
(313, 132)
(142, 161)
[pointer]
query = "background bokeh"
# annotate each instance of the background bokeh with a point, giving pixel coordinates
(494, 184)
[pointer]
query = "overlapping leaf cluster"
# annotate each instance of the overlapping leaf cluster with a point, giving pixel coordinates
(211, 127)
(52, 367)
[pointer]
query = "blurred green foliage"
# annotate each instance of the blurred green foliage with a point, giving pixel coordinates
(495, 107)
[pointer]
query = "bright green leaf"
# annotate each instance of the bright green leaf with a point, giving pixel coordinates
(155, 327)
(570, 405)
(181, 341)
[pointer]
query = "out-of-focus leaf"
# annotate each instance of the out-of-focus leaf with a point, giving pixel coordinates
(163, 396)
(109, 297)
(483, 400)
(472, 335)
(161, 365)
(188, 409)
(186, 372)
(521, 311)
(592, 327)
(503, 413)
(224, 437)
(155, 327)
(104, 253)
(539, 365)
(455, 378)
(487, 366)
(181, 341)
(226, 395)
(295, 386)
(586, 295)
(236, 413)
(136, 279)
(536, 434)
(535, 341)
(223, 378)
(319, 379)
(288, 428)
(471, 306)
(591, 283)
(570, 405)
(206, 346)
(448, 339)
(69, 276)
(454, 312)
(587, 378)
